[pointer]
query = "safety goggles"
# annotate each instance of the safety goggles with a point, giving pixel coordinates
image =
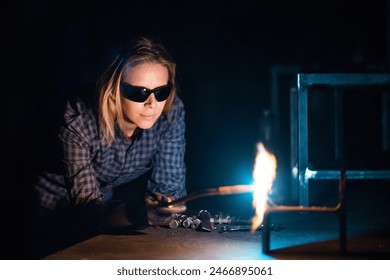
(141, 94)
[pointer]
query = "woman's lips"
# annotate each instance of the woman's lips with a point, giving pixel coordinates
(148, 117)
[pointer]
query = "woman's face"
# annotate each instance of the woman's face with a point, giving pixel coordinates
(150, 76)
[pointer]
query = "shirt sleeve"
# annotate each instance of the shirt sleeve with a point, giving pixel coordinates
(77, 135)
(169, 169)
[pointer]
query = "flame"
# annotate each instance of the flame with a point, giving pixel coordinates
(264, 174)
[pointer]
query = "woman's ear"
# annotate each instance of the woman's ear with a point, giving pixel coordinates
(112, 96)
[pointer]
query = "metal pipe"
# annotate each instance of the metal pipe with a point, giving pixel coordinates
(187, 222)
(195, 223)
(339, 209)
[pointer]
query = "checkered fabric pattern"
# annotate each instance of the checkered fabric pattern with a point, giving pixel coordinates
(91, 164)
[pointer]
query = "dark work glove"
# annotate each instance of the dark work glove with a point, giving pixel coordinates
(157, 213)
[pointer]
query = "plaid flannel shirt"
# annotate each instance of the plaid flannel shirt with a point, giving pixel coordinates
(91, 164)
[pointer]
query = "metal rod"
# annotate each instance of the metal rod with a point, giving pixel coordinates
(342, 212)
(339, 209)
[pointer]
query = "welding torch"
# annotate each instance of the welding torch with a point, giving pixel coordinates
(222, 190)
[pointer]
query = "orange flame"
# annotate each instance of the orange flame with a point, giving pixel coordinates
(264, 174)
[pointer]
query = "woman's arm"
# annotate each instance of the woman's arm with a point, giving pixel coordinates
(169, 169)
(78, 135)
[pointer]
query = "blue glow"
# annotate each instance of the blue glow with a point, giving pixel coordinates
(310, 173)
(243, 176)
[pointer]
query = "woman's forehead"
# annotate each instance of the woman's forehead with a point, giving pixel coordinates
(150, 75)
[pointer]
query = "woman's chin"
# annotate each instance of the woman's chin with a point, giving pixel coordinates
(146, 124)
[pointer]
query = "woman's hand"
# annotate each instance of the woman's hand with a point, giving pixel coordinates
(157, 211)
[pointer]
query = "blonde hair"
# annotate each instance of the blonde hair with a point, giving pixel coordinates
(142, 50)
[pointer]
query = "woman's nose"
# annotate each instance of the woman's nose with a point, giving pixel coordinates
(151, 101)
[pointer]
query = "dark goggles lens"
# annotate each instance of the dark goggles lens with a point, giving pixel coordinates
(141, 94)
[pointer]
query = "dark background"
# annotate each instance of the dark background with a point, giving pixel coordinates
(225, 53)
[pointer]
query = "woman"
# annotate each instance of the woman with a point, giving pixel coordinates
(134, 131)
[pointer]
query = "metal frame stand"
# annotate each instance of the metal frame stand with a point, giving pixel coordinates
(339, 209)
(301, 173)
